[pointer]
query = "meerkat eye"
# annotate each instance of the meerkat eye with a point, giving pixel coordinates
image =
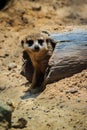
(30, 42)
(40, 41)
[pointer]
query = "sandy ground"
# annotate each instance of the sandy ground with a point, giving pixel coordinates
(62, 105)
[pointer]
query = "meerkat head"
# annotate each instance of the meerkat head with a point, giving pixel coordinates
(37, 42)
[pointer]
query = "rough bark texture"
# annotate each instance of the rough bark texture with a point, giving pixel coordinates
(69, 57)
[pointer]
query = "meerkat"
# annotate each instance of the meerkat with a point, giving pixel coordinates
(39, 47)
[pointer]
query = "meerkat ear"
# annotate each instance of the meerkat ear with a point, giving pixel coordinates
(52, 42)
(46, 32)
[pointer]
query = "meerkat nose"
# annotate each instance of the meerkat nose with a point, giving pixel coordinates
(36, 48)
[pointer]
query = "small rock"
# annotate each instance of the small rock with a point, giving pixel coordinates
(61, 106)
(10, 103)
(46, 111)
(9, 23)
(78, 100)
(12, 66)
(25, 20)
(30, 117)
(21, 123)
(5, 36)
(36, 8)
(33, 108)
(85, 86)
(61, 90)
(72, 91)
(2, 88)
(5, 116)
(5, 55)
(49, 125)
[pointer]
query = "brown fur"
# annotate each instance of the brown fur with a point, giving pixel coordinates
(40, 62)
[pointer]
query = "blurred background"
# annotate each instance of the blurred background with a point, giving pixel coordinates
(45, 14)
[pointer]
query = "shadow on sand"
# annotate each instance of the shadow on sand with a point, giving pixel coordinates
(28, 95)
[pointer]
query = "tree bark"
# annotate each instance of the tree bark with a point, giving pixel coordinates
(69, 56)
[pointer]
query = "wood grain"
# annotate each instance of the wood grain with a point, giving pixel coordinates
(69, 56)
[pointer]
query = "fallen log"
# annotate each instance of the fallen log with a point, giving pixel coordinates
(69, 56)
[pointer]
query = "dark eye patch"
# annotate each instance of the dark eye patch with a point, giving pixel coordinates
(40, 41)
(30, 42)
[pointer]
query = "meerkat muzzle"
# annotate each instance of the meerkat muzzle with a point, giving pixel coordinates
(36, 48)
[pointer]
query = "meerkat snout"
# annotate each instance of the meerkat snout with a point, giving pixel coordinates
(38, 45)
(36, 48)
